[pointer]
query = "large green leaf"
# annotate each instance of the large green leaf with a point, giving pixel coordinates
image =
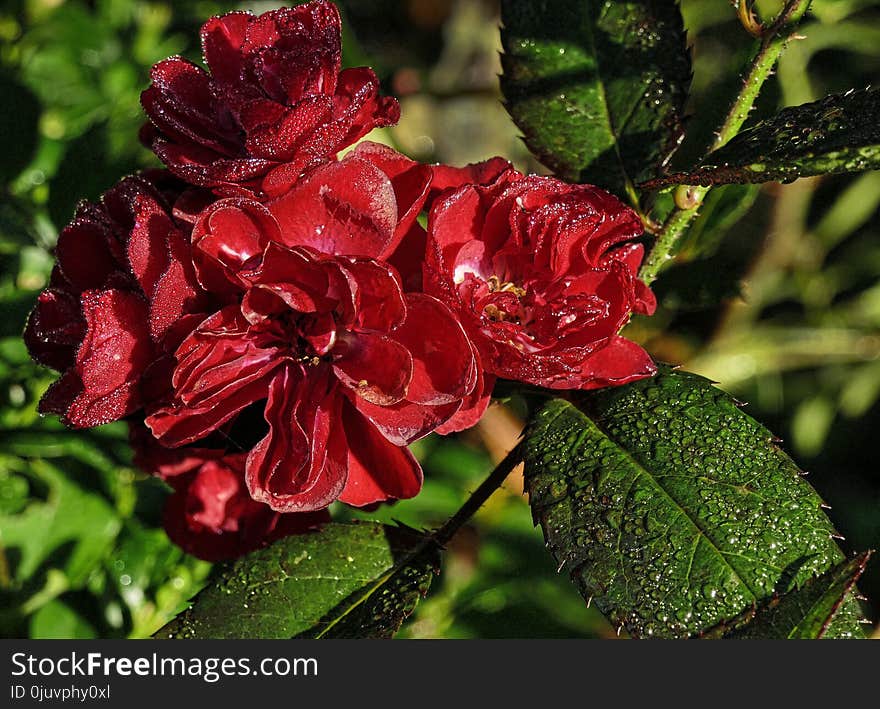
(598, 88)
(807, 613)
(840, 133)
(672, 508)
(348, 580)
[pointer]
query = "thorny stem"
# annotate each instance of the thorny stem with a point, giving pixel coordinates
(479, 496)
(773, 43)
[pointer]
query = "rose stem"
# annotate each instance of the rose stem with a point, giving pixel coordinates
(769, 50)
(479, 496)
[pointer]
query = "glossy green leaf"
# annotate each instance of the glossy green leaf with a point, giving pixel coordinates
(807, 612)
(840, 133)
(670, 507)
(348, 580)
(598, 88)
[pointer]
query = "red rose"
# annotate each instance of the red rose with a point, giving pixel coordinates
(274, 103)
(212, 516)
(351, 369)
(543, 277)
(121, 293)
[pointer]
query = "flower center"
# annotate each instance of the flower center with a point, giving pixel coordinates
(496, 285)
(504, 298)
(309, 338)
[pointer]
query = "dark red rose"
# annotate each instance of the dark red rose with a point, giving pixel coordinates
(211, 515)
(349, 367)
(121, 294)
(543, 277)
(273, 103)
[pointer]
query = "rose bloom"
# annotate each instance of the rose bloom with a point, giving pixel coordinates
(210, 514)
(250, 307)
(349, 367)
(543, 275)
(121, 297)
(273, 103)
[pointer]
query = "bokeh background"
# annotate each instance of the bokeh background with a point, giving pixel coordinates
(775, 296)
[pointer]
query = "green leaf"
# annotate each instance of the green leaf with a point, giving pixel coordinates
(840, 133)
(56, 620)
(598, 88)
(670, 507)
(348, 580)
(71, 530)
(807, 612)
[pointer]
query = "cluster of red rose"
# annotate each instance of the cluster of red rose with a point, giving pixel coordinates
(274, 321)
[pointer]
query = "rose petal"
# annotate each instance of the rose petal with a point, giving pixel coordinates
(227, 234)
(84, 255)
(410, 180)
(301, 464)
(378, 471)
(220, 371)
(473, 407)
(357, 95)
(148, 251)
(405, 422)
(222, 39)
(154, 458)
(621, 361)
(347, 208)
(276, 133)
(375, 367)
(294, 279)
(446, 177)
(211, 515)
(54, 329)
(444, 369)
(116, 348)
(380, 302)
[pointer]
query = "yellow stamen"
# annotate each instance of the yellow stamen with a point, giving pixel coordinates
(496, 285)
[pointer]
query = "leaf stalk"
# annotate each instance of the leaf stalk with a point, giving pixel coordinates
(770, 47)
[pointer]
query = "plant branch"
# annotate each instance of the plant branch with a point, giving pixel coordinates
(772, 44)
(689, 198)
(479, 496)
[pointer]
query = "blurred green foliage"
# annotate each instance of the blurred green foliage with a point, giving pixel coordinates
(82, 552)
